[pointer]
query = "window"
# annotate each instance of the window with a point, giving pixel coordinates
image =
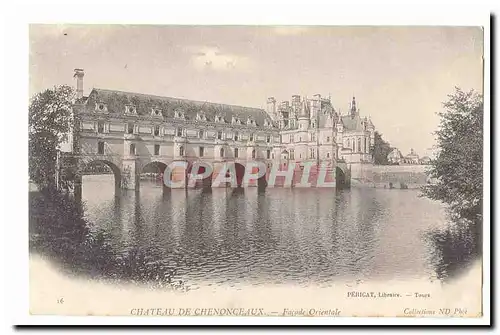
(268, 154)
(179, 132)
(292, 138)
(221, 152)
(100, 127)
(132, 149)
(157, 149)
(327, 155)
(235, 137)
(292, 154)
(219, 135)
(253, 153)
(201, 133)
(328, 138)
(313, 137)
(236, 152)
(268, 139)
(300, 126)
(130, 110)
(157, 131)
(202, 151)
(251, 137)
(359, 144)
(100, 148)
(130, 128)
(181, 151)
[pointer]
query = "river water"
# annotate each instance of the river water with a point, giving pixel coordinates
(282, 236)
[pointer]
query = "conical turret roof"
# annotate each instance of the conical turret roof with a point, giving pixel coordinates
(304, 110)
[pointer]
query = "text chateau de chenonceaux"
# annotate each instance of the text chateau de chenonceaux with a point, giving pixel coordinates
(132, 132)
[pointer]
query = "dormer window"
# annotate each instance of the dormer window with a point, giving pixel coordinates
(179, 114)
(201, 116)
(101, 107)
(251, 122)
(219, 118)
(155, 112)
(235, 120)
(129, 109)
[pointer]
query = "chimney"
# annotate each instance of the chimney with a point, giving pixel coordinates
(79, 73)
(271, 107)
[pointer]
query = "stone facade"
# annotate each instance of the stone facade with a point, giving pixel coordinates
(312, 130)
(128, 131)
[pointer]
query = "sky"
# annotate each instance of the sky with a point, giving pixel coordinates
(400, 76)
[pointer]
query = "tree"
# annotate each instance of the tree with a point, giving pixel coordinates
(380, 150)
(458, 166)
(49, 125)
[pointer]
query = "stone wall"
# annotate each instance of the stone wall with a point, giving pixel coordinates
(393, 176)
(400, 176)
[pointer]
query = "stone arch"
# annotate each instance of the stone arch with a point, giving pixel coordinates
(114, 168)
(205, 183)
(240, 173)
(154, 167)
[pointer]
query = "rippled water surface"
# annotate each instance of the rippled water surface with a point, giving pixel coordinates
(298, 236)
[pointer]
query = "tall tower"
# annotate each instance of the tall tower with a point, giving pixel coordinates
(303, 118)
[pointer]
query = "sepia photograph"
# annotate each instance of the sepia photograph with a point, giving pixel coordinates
(291, 171)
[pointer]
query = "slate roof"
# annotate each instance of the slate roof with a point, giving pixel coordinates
(352, 123)
(144, 103)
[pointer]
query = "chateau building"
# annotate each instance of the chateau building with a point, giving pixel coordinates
(412, 158)
(127, 131)
(311, 129)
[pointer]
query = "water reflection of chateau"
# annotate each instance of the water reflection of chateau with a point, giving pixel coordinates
(130, 132)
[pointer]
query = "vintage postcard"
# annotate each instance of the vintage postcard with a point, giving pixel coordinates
(256, 171)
